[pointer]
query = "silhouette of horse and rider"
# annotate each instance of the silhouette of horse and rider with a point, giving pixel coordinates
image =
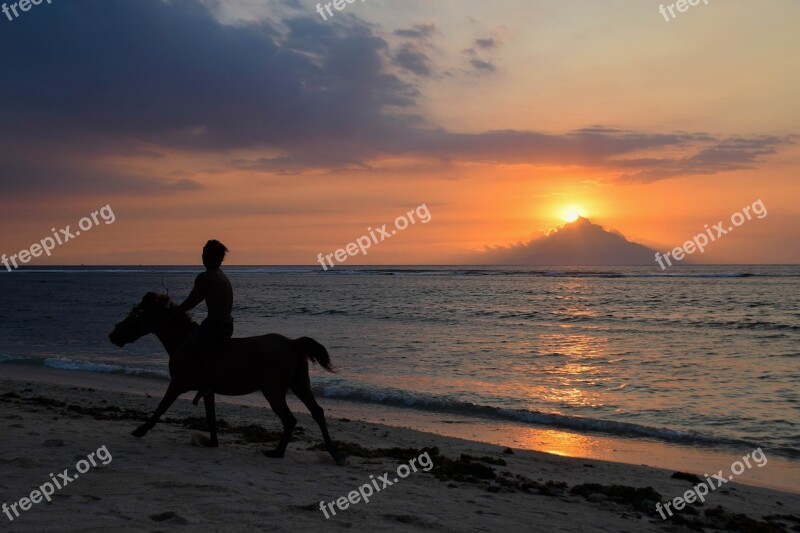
(204, 357)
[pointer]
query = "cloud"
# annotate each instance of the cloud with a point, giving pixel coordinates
(712, 156)
(487, 44)
(599, 148)
(580, 243)
(411, 55)
(413, 60)
(420, 31)
(171, 75)
(698, 154)
(96, 78)
(482, 65)
(62, 176)
(176, 76)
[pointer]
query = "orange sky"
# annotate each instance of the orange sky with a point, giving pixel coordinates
(513, 112)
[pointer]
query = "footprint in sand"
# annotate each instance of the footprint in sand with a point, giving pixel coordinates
(170, 517)
(20, 462)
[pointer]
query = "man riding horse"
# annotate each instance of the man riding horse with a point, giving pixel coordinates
(214, 332)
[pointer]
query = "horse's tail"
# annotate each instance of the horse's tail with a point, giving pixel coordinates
(314, 351)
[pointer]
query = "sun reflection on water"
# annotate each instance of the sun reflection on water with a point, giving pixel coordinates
(559, 442)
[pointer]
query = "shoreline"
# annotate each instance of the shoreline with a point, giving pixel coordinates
(161, 481)
(784, 475)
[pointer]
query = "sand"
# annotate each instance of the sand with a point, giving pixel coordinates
(163, 483)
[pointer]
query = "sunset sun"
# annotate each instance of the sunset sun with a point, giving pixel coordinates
(571, 213)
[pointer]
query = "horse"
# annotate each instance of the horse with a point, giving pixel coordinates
(271, 363)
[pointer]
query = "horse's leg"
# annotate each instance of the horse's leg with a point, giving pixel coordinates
(204, 388)
(302, 389)
(211, 420)
(173, 391)
(278, 404)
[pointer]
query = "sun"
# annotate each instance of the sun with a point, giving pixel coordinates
(571, 213)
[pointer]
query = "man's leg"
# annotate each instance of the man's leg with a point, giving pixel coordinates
(191, 354)
(217, 336)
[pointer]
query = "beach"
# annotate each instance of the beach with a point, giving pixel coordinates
(162, 482)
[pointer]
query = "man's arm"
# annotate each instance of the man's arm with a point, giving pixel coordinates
(197, 295)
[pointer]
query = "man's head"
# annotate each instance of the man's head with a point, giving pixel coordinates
(213, 254)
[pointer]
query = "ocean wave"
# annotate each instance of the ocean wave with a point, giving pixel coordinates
(438, 404)
(61, 363)
(399, 398)
(738, 324)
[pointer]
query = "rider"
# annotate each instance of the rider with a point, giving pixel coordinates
(214, 287)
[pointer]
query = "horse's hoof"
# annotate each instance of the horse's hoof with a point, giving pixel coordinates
(200, 439)
(340, 458)
(139, 432)
(275, 454)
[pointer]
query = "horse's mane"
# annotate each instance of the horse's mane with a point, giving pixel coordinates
(154, 300)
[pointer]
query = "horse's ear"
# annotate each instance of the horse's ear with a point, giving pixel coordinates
(150, 298)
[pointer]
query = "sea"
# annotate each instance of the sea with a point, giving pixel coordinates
(702, 356)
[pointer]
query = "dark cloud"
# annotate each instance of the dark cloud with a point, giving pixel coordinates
(596, 147)
(480, 64)
(170, 74)
(486, 44)
(420, 31)
(85, 80)
(288, 165)
(61, 177)
(579, 147)
(712, 156)
(103, 72)
(413, 60)
(411, 55)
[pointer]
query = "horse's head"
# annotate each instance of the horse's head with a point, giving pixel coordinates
(153, 310)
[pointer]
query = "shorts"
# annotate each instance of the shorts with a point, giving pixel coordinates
(205, 338)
